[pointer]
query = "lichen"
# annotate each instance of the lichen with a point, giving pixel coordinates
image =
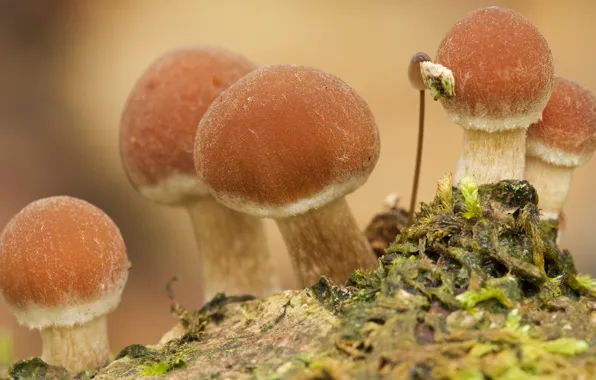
(438, 79)
(475, 288)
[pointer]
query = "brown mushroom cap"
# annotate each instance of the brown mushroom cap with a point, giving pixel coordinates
(62, 261)
(503, 70)
(285, 139)
(162, 113)
(566, 135)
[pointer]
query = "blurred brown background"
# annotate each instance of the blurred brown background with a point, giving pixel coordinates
(66, 67)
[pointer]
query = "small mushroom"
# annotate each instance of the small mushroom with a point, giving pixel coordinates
(416, 80)
(289, 142)
(63, 266)
(503, 71)
(158, 128)
(564, 139)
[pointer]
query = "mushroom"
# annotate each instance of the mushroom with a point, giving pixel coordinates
(158, 127)
(564, 139)
(289, 142)
(416, 80)
(503, 70)
(63, 266)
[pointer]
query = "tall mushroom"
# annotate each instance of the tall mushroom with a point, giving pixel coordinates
(289, 142)
(564, 139)
(503, 70)
(158, 127)
(63, 266)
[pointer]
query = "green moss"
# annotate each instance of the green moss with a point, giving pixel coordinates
(517, 194)
(332, 295)
(490, 231)
(445, 194)
(583, 283)
(36, 369)
(565, 346)
(134, 351)
(550, 228)
(471, 298)
(162, 367)
(469, 191)
(457, 286)
(158, 362)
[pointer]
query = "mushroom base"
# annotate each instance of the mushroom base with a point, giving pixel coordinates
(234, 252)
(492, 157)
(552, 184)
(78, 347)
(326, 241)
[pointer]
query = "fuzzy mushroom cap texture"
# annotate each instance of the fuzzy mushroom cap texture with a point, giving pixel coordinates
(62, 262)
(161, 116)
(566, 135)
(286, 139)
(503, 69)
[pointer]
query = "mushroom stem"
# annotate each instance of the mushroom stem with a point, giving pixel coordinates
(418, 163)
(234, 250)
(492, 156)
(326, 241)
(78, 347)
(552, 183)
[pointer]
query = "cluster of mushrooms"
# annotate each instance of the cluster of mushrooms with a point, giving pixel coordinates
(205, 129)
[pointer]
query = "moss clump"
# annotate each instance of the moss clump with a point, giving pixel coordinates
(475, 288)
(550, 228)
(491, 231)
(134, 351)
(158, 362)
(36, 369)
(162, 367)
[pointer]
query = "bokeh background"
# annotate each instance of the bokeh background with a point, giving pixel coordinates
(66, 67)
